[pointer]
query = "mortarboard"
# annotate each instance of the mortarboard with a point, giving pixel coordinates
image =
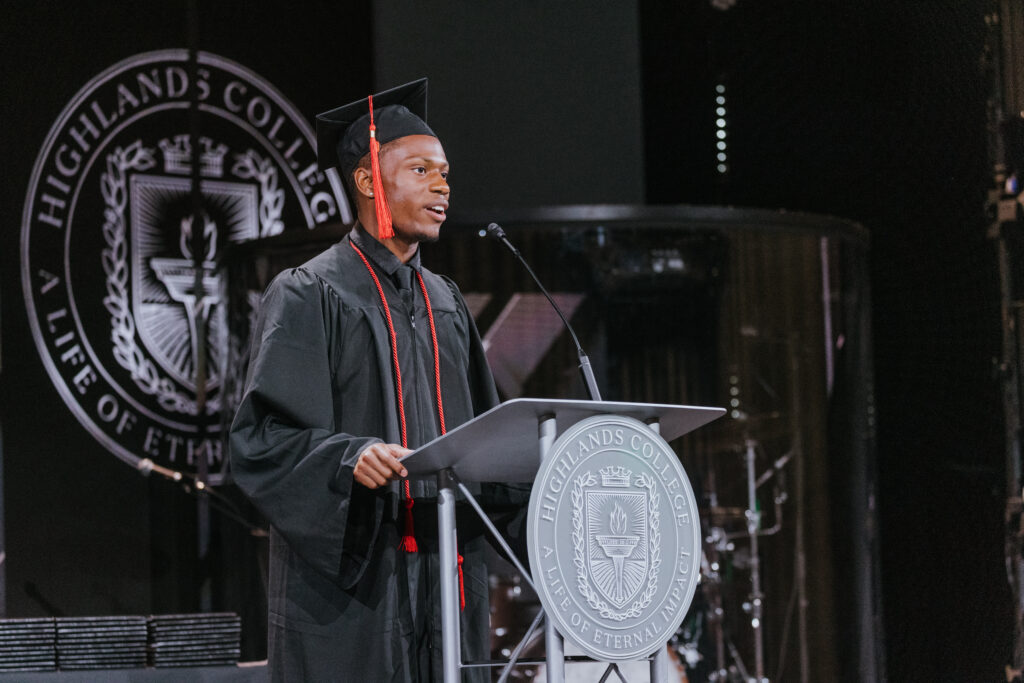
(398, 112)
(343, 135)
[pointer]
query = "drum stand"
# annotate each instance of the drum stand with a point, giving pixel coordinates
(756, 596)
(720, 541)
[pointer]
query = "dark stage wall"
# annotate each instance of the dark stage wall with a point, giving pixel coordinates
(85, 533)
(538, 103)
(866, 110)
(874, 112)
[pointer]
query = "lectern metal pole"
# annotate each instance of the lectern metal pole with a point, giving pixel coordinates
(554, 653)
(659, 662)
(553, 645)
(451, 651)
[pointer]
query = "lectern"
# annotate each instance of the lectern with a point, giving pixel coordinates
(614, 537)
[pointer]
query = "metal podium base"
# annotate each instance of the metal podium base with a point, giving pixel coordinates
(507, 458)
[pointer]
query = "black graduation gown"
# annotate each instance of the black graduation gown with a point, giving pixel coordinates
(345, 603)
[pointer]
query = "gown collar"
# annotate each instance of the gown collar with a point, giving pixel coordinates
(379, 254)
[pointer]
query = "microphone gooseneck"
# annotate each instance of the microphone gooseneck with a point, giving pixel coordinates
(194, 486)
(147, 466)
(494, 231)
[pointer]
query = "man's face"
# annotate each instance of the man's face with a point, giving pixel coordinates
(415, 172)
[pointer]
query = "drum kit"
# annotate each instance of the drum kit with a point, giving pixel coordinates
(722, 639)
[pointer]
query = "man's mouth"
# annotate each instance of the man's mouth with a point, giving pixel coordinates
(438, 209)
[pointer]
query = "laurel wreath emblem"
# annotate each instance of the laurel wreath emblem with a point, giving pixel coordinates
(250, 166)
(114, 188)
(579, 549)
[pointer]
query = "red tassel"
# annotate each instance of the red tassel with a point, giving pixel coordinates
(408, 543)
(462, 587)
(380, 202)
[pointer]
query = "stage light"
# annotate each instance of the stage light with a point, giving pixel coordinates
(720, 125)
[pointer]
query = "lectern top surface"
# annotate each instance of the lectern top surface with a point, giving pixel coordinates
(501, 445)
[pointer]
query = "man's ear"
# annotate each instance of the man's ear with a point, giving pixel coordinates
(363, 180)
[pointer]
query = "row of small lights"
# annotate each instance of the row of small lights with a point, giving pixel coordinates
(720, 125)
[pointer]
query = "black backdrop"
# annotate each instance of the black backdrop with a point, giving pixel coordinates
(86, 534)
(875, 112)
(867, 110)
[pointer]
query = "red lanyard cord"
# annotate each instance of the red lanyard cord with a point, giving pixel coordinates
(437, 356)
(408, 539)
(394, 353)
(440, 406)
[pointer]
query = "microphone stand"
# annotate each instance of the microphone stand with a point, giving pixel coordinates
(196, 487)
(494, 230)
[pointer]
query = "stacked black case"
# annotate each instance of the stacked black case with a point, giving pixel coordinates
(101, 642)
(177, 640)
(28, 645)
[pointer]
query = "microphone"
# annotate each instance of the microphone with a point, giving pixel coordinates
(494, 230)
(191, 485)
(146, 466)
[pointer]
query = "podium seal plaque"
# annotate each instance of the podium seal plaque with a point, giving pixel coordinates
(614, 538)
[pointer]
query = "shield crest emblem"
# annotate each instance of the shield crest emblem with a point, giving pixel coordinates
(166, 307)
(617, 540)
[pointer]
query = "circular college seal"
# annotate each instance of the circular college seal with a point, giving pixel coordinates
(108, 245)
(614, 538)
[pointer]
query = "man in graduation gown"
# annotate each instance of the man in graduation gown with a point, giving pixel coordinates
(318, 436)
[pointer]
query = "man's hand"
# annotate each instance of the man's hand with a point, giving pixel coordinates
(379, 464)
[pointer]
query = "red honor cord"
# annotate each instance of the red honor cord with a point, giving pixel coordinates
(408, 542)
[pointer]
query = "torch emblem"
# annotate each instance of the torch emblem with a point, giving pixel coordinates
(178, 276)
(168, 308)
(618, 547)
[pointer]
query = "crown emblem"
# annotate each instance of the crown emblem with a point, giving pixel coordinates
(178, 156)
(615, 476)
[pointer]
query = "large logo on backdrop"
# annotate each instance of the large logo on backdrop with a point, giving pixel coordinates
(117, 294)
(614, 538)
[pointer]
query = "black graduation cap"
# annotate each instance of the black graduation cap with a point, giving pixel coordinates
(343, 134)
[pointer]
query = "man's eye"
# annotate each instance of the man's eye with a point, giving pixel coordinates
(419, 169)
(444, 174)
